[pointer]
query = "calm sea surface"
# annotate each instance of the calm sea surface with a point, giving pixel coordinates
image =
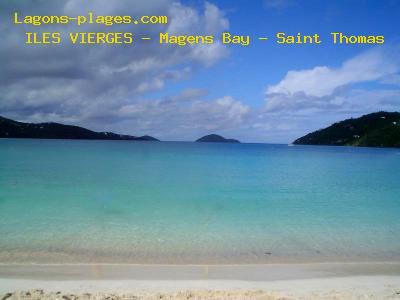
(141, 202)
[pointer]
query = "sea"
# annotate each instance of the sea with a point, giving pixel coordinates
(129, 202)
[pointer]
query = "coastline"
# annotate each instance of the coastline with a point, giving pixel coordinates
(249, 272)
(269, 281)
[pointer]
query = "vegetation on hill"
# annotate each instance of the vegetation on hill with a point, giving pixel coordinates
(381, 129)
(13, 129)
(215, 138)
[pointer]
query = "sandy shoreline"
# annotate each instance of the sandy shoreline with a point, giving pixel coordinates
(367, 287)
(251, 272)
(280, 281)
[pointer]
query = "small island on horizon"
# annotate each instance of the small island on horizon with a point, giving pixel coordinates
(215, 138)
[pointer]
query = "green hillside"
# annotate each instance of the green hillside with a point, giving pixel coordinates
(381, 129)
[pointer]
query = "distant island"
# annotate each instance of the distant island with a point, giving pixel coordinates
(215, 138)
(381, 129)
(13, 129)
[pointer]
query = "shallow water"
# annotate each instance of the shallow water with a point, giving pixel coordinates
(141, 202)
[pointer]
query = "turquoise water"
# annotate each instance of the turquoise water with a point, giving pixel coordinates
(139, 202)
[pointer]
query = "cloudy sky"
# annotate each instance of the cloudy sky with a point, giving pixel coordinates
(261, 93)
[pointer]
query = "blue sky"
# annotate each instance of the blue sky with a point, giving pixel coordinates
(248, 70)
(262, 93)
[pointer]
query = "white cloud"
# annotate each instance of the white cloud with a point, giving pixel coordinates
(85, 83)
(332, 89)
(186, 20)
(322, 80)
(214, 19)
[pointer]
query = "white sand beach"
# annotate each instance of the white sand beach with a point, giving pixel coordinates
(295, 281)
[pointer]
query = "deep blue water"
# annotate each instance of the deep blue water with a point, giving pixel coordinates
(142, 202)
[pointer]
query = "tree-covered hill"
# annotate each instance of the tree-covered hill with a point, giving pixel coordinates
(381, 129)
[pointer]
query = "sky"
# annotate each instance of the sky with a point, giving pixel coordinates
(265, 92)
